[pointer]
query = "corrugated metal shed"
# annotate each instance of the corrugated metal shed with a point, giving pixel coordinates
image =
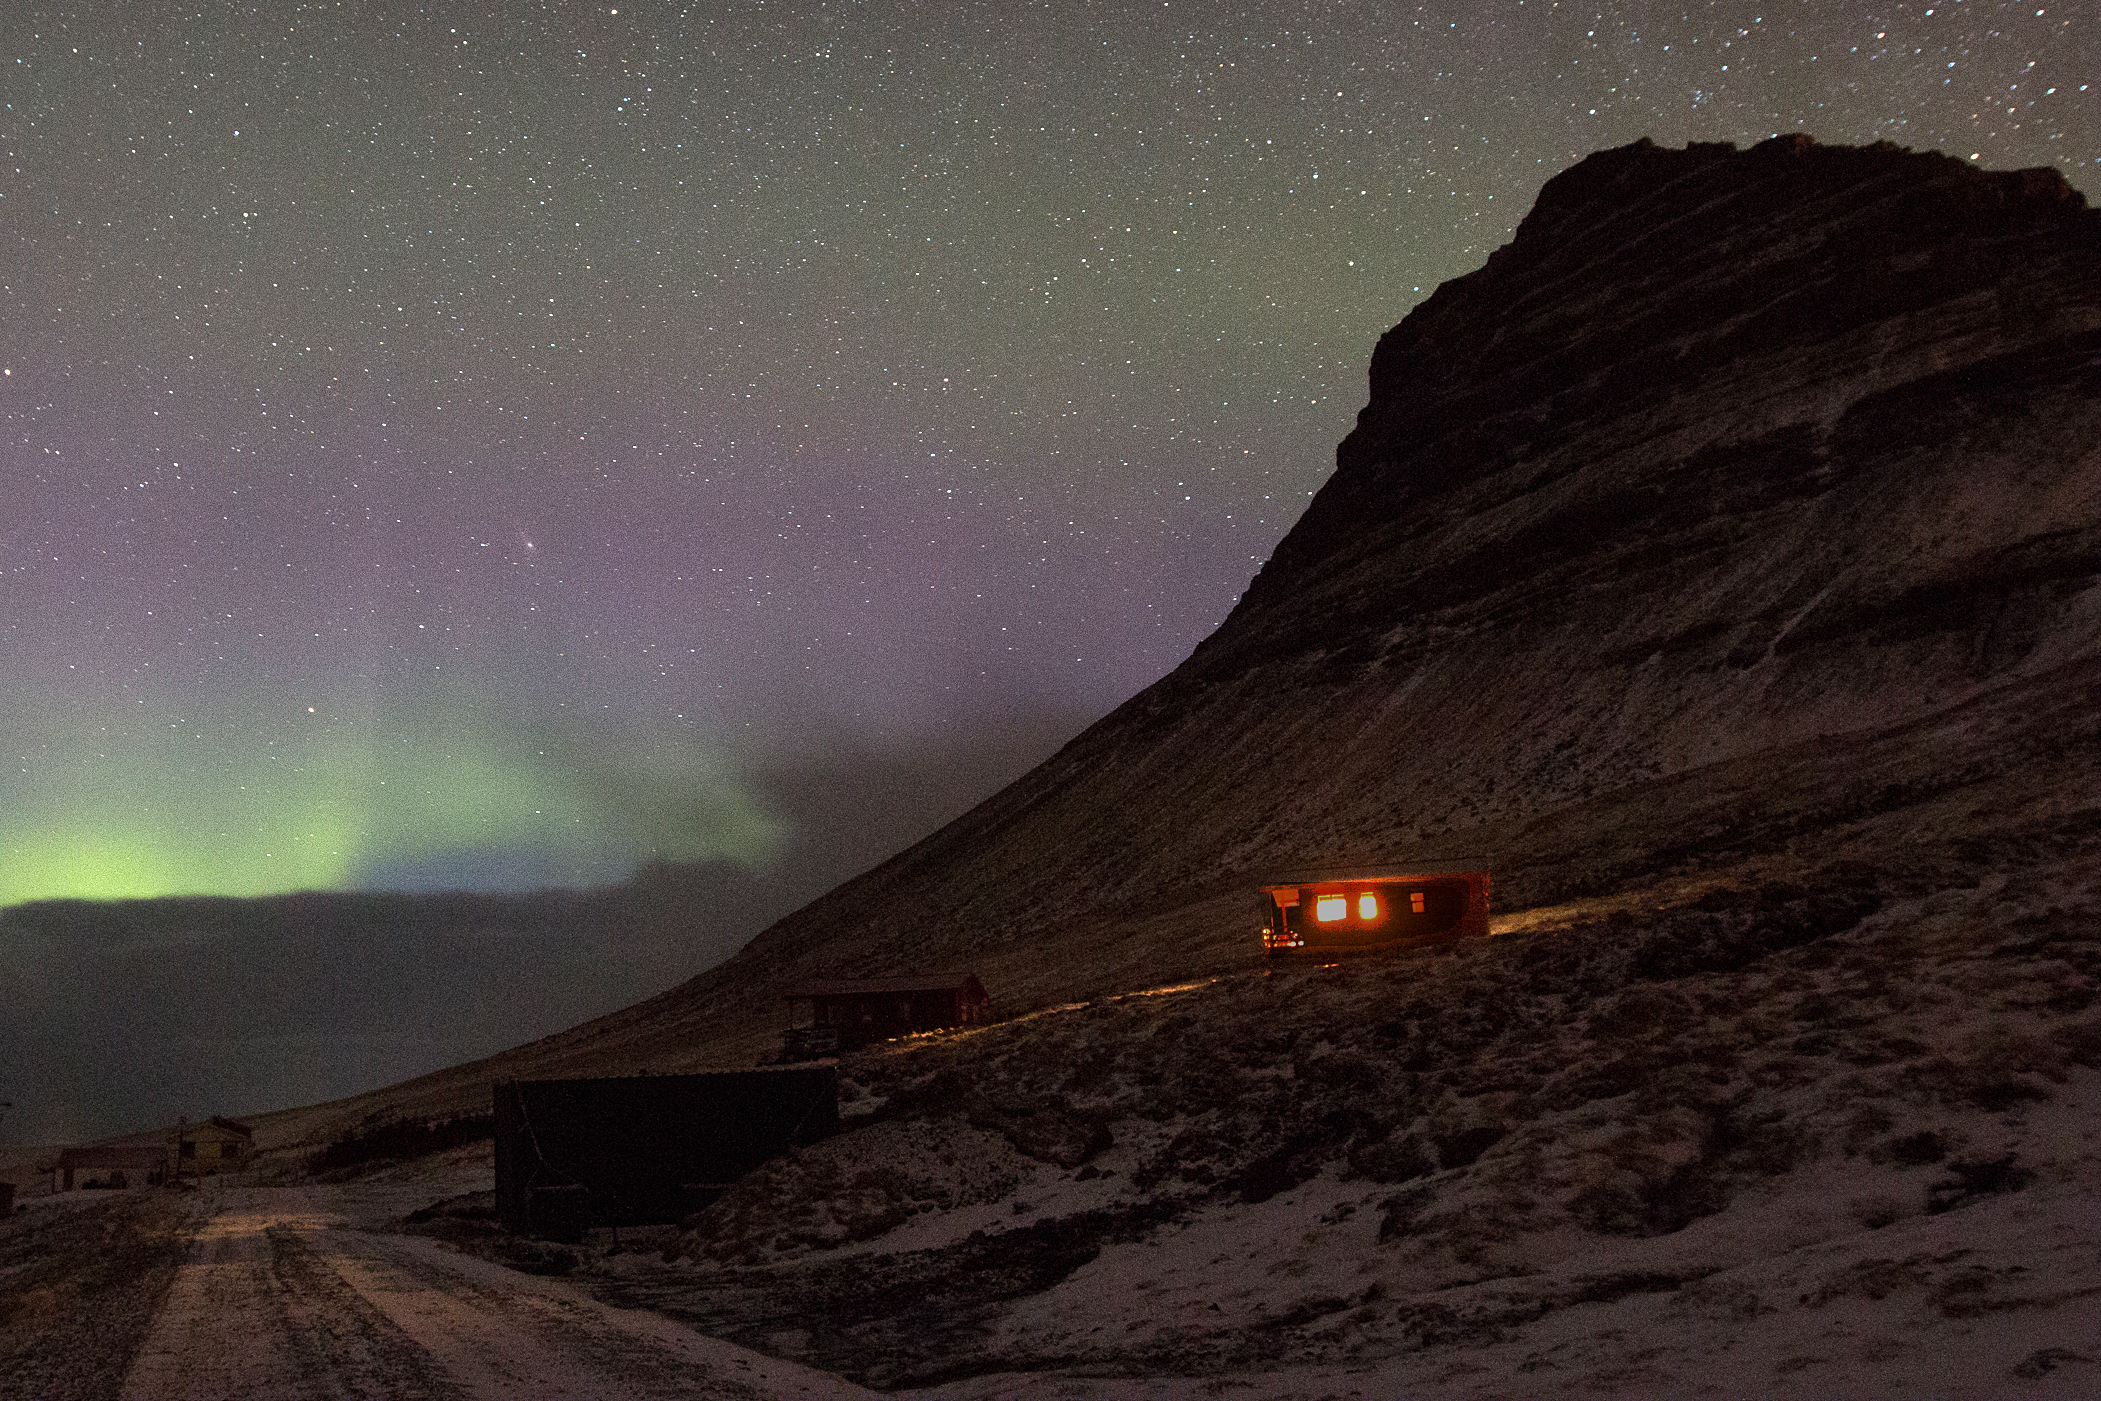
(571, 1154)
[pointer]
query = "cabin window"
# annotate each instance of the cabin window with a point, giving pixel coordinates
(1367, 906)
(189, 1150)
(1415, 901)
(1330, 908)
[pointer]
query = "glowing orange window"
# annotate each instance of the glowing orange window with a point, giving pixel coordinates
(1330, 908)
(1415, 901)
(1367, 906)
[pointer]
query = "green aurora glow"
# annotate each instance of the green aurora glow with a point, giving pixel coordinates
(336, 810)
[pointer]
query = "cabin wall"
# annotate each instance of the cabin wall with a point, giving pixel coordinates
(206, 1150)
(1379, 912)
(862, 1018)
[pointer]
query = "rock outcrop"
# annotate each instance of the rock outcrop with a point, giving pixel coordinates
(1744, 510)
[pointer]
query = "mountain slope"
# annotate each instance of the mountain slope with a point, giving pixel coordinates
(1719, 565)
(1726, 452)
(1742, 512)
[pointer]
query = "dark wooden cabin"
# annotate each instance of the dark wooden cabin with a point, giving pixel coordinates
(847, 1013)
(1374, 913)
(572, 1154)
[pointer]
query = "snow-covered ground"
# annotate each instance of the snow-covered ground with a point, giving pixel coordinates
(1805, 1132)
(306, 1289)
(1824, 1136)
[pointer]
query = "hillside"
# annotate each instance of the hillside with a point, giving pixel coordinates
(1740, 513)
(1720, 565)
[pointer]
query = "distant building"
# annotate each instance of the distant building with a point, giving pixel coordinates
(134, 1160)
(847, 1013)
(201, 1150)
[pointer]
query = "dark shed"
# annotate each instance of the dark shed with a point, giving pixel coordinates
(846, 1013)
(137, 1158)
(651, 1148)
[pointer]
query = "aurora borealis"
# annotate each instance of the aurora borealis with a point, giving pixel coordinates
(491, 446)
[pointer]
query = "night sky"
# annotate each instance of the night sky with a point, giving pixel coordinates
(490, 447)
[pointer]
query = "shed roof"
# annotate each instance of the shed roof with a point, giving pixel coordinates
(232, 1126)
(966, 983)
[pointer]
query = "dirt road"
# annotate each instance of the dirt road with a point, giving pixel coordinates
(282, 1297)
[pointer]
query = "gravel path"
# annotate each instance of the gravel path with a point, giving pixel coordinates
(280, 1297)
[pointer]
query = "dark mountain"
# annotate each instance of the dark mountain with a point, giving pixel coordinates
(1720, 565)
(1726, 454)
(1742, 511)
(1744, 498)
(125, 1013)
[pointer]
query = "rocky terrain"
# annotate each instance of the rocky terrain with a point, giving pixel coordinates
(80, 1283)
(1829, 1131)
(1721, 566)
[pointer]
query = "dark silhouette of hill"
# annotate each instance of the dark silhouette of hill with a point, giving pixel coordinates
(126, 1013)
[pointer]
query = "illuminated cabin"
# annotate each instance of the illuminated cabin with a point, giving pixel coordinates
(1369, 914)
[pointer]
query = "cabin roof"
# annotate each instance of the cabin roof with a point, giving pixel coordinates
(1379, 878)
(966, 983)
